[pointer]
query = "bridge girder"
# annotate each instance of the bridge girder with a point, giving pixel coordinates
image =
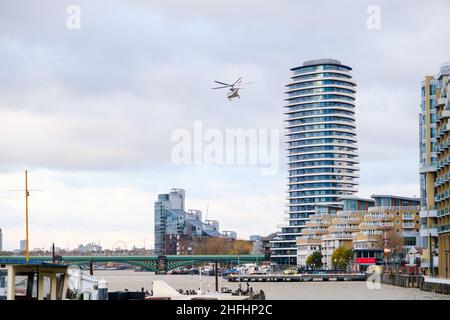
(151, 263)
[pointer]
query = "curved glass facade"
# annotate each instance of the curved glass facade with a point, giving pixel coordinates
(321, 146)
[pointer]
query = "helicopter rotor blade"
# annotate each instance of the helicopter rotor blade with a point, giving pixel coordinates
(237, 81)
(225, 84)
(220, 87)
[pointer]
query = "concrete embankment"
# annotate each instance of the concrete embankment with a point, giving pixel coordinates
(417, 281)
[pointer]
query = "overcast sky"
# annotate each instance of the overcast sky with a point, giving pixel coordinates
(90, 111)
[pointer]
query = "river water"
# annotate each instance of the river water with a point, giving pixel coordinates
(352, 290)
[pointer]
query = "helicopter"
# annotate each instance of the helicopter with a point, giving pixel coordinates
(234, 88)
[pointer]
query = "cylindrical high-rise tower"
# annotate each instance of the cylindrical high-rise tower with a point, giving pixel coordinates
(321, 146)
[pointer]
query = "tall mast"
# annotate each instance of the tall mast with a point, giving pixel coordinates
(27, 194)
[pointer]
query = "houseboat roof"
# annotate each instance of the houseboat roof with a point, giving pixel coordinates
(20, 262)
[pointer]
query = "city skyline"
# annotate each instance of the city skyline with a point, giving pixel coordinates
(90, 112)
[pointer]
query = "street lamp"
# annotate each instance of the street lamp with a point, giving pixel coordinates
(386, 252)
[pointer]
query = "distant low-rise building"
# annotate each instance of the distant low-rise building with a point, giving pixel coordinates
(396, 213)
(230, 234)
(362, 225)
(89, 248)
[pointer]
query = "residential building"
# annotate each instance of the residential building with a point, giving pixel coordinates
(178, 231)
(311, 238)
(428, 170)
(397, 213)
(344, 227)
(23, 245)
(89, 248)
(230, 234)
(172, 203)
(257, 244)
(267, 246)
(442, 183)
(321, 146)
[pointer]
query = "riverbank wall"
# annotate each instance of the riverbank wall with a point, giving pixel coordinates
(416, 281)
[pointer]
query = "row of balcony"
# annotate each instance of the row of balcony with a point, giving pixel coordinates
(381, 208)
(429, 213)
(343, 228)
(441, 146)
(408, 225)
(443, 162)
(427, 168)
(378, 217)
(376, 225)
(442, 129)
(442, 179)
(443, 114)
(443, 228)
(443, 212)
(441, 196)
(344, 220)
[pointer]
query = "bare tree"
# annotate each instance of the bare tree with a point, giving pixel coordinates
(392, 243)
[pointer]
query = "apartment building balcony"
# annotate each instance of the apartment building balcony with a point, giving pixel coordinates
(309, 240)
(443, 162)
(442, 129)
(429, 168)
(343, 229)
(443, 212)
(441, 101)
(424, 232)
(444, 113)
(443, 228)
(408, 216)
(341, 236)
(376, 226)
(392, 208)
(283, 248)
(442, 195)
(350, 213)
(442, 179)
(378, 217)
(425, 213)
(408, 225)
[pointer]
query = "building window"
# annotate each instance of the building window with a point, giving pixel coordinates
(410, 241)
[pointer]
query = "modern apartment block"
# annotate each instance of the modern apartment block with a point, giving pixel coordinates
(321, 146)
(177, 230)
(428, 170)
(311, 238)
(400, 214)
(361, 225)
(442, 182)
(328, 231)
(344, 227)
